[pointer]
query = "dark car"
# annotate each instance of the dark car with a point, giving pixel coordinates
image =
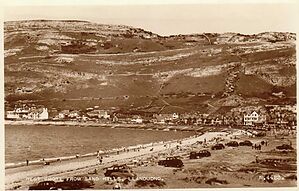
(218, 146)
(245, 143)
(45, 185)
(260, 134)
(284, 147)
(75, 183)
(204, 153)
(199, 154)
(193, 155)
(120, 171)
(171, 162)
(232, 144)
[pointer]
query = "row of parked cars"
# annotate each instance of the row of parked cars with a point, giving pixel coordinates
(232, 144)
(126, 173)
(176, 162)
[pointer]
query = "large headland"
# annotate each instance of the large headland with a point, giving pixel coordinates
(71, 66)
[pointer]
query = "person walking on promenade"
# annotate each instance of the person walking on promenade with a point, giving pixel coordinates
(100, 159)
(27, 162)
(256, 159)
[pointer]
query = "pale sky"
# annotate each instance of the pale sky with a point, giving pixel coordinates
(173, 19)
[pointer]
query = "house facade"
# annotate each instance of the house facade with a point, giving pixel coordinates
(12, 115)
(103, 114)
(251, 118)
(39, 114)
(32, 114)
(137, 119)
(165, 118)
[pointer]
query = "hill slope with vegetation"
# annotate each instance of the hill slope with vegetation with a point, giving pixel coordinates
(78, 64)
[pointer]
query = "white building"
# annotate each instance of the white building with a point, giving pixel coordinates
(33, 114)
(73, 114)
(250, 119)
(103, 114)
(175, 116)
(137, 119)
(44, 115)
(39, 115)
(17, 113)
(12, 115)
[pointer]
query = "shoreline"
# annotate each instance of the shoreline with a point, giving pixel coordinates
(148, 157)
(57, 123)
(149, 126)
(198, 130)
(113, 151)
(21, 173)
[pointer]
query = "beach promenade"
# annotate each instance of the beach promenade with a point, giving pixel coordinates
(24, 175)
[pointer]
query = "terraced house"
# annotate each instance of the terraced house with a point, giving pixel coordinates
(30, 114)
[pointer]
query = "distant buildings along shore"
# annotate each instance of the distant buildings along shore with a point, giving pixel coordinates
(282, 115)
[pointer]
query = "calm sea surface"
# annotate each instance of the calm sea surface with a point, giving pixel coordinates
(36, 142)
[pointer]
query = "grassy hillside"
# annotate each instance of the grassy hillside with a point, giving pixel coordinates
(77, 64)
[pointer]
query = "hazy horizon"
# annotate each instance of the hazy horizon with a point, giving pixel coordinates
(172, 19)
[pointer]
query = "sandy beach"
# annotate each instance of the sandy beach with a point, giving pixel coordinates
(16, 175)
(236, 164)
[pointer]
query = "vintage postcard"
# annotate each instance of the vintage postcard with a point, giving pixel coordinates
(140, 95)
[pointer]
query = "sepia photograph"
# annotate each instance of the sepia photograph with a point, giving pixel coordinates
(114, 95)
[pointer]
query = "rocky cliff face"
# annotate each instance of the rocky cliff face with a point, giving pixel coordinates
(261, 37)
(84, 63)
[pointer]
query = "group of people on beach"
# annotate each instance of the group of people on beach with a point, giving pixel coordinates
(259, 146)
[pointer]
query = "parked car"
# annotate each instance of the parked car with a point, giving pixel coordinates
(171, 162)
(218, 146)
(232, 144)
(45, 185)
(245, 143)
(86, 180)
(75, 183)
(284, 147)
(193, 155)
(120, 171)
(199, 154)
(260, 134)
